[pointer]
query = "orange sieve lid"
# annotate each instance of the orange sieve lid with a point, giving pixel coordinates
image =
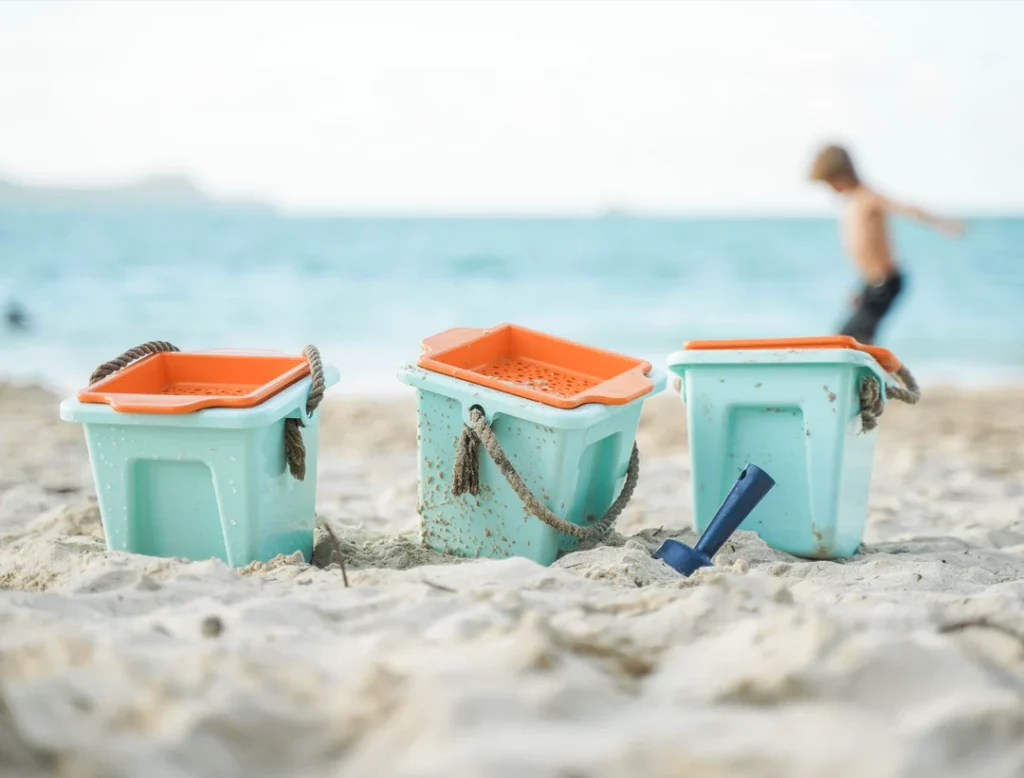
(556, 372)
(173, 382)
(882, 356)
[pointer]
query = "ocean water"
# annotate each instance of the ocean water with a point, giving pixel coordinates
(366, 291)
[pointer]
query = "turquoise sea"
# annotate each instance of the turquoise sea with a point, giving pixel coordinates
(367, 290)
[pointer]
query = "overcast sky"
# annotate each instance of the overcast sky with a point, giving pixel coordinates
(519, 107)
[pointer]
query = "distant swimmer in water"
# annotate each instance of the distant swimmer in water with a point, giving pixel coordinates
(16, 318)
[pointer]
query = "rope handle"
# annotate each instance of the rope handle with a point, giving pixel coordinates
(466, 478)
(107, 369)
(871, 406)
(294, 447)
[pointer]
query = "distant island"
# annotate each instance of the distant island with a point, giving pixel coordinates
(164, 192)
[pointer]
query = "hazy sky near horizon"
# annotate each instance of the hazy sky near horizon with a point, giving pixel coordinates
(518, 107)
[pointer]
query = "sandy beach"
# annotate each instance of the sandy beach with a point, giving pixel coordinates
(906, 660)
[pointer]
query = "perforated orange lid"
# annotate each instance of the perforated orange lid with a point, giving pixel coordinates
(539, 367)
(173, 382)
(882, 356)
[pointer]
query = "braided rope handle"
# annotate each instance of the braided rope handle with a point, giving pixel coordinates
(131, 355)
(871, 405)
(466, 478)
(294, 447)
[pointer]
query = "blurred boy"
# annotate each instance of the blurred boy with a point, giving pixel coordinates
(866, 238)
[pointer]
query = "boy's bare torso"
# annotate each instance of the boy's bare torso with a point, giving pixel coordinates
(866, 236)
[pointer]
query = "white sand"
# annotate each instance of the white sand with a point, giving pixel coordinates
(907, 660)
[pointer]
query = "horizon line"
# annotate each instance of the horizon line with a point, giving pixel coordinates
(611, 214)
(214, 200)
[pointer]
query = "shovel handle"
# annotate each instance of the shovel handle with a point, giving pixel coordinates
(749, 489)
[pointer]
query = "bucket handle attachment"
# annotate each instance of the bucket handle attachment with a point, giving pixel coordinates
(905, 389)
(466, 478)
(294, 448)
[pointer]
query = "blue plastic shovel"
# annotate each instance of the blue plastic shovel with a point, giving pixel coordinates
(749, 489)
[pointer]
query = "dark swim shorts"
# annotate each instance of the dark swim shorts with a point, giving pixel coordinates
(875, 302)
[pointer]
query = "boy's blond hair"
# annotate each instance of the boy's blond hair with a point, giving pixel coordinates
(833, 162)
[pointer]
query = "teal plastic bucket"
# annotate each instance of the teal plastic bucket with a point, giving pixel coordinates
(208, 484)
(795, 413)
(574, 460)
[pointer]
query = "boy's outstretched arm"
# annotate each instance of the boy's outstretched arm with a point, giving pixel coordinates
(950, 227)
